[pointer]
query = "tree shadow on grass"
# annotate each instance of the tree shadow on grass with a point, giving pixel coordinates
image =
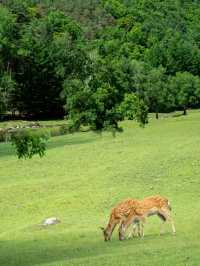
(66, 248)
(54, 249)
(72, 139)
(6, 149)
(40, 251)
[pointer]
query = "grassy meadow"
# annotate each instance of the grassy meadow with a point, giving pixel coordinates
(83, 176)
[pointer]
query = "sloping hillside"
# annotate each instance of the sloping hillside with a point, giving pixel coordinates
(82, 177)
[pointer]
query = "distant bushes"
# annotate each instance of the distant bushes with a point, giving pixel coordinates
(50, 130)
(58, 131)
(32, 141)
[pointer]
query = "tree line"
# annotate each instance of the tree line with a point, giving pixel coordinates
(99, 62)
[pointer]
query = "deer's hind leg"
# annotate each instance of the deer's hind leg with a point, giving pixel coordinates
(165, 216)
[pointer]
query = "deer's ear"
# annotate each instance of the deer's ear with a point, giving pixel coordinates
(101, 228)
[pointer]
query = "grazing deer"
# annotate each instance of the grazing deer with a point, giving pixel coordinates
(155, 205)
(118, 215)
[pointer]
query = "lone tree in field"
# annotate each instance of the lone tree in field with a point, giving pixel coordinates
(186, 87)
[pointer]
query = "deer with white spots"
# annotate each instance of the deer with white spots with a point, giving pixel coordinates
(133, 211)
(155, 205)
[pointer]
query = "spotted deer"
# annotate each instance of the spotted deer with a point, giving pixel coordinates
(118, 215)
(155, 205)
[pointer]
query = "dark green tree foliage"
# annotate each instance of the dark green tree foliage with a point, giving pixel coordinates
(128, 107)
(29, 143)
(176, 52)
(186, 87)
(7, 89)
(159, 33)
(157, 93)
(24, 10)
(96, 100)
(7, 84)
(142, 113)
(132, 107)
(7, 28)
(144, 48)
(92, 106)
(115, 7)
(51, 50)
(88, 13)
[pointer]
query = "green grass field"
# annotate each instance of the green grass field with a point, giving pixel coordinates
(82, 176)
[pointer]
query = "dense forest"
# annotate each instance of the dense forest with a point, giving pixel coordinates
(98, 62)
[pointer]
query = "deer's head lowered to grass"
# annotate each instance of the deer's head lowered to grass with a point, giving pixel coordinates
(117, 216)
(106, 234)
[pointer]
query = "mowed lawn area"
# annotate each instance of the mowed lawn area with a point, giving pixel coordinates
(83, 176)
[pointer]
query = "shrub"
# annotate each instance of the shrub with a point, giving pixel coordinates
(29, 143)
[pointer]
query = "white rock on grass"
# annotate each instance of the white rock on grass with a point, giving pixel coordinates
(51, 221)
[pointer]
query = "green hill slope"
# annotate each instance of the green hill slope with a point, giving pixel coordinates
(82, 177)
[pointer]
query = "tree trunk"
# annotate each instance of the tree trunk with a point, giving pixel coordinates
(184, 111)
(157, 116)
(157, 112)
